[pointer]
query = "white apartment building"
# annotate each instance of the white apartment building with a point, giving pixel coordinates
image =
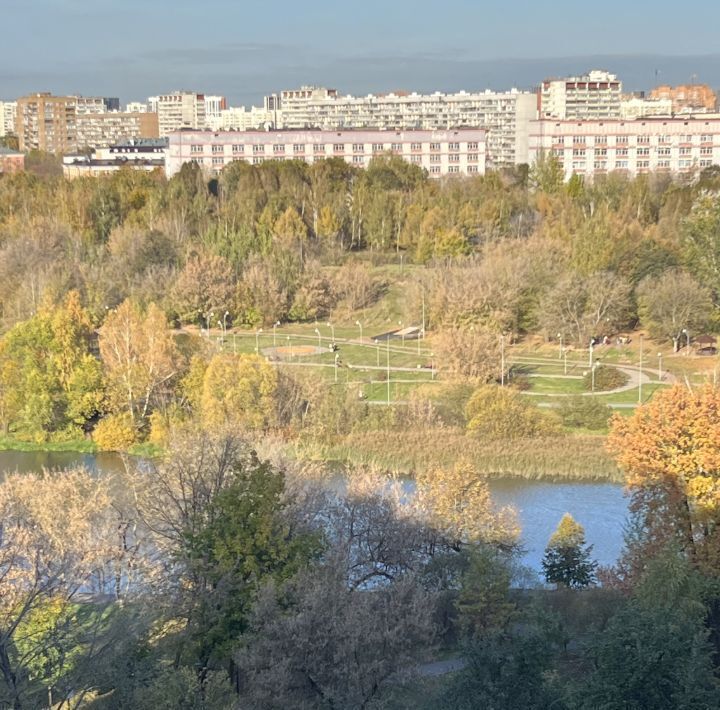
(441, 153)
(589, 148)
(638, 108)
(136, 107)
(243, 119)
(181, 109)
(8, 111)
(504, 115)
(595, 95)
(214, 106)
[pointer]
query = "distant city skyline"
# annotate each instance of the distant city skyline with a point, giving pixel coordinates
(135, 49)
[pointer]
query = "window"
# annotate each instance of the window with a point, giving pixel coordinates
(621, 152)
(258, 149)
(358, 148)
(416, 146)
(218, 149)
(706, 151)
(643, 139)
(454, 146)
(685, 151)
(416, 158)
(434, 146)
(578, 140)
(435, 169)
(472, 168)
(434, 158)
(643, 164)
(621, 140)
(705, 163)
(299, 148)
(600, 139)
(662, 138)
(454, 169)
(663, 151)
(705, 138)
(621, 164)
(560, 140)
(600, 165)
(358, 159)
(578, 165)
(257, 161)
(685, 163)
(318, 148)
(196, 149)
(279, 148)
(338, 148)
(454, 158)
(237, 148)
(218, 161)
(473, 158)
(377, 147)
(472, 146)
(578, 153)
(600, 152)
(396, 147)
(643, 151)
(663, 164)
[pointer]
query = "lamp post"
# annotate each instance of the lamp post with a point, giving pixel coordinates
(592, 345)
(221, 337)
(337, 357)
(560, 337)
(377, 349)
(592, 374)
(687, 335)
(564, 354)
(225, 317)
(332, 330)
(275, 325)
(257, 341)
(317, 330)
(660, 370)
(359, 325)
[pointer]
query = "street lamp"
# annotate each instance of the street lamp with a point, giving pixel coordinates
(687, 335)
(257, 340)
(332, 330)
(317, 330)
(560, 337)
(592, 374)
(564, 354)
(225, 316)
(337, 357)
(592, 345)
(359, 325)
(660, 371)
(377, 348)
(275, 325)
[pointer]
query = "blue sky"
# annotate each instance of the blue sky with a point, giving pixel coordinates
(133, 48)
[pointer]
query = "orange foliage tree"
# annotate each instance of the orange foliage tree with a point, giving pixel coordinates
(669, 450)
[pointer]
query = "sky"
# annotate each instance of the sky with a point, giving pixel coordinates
(245, 49)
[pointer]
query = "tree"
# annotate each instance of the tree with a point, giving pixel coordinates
(469, 352)
(458, 503)
(701, 239)
(140, 359)
(290, 229)
(669, 450)
(567, 561)
(547, 174)
(673, 303)
(205, 286)
(239, 390)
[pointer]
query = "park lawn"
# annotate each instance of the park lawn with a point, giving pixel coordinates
(556, 385)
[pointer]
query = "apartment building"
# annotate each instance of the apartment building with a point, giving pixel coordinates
(136, 107)
(243, 119)
(687, 98)
(590, 148)
(46, 122)
(97, 130)
(214, 106)
(639, 107)
(8, 111)
(180, 109)
(146, 154)
(595, 95)
(442, 153)
(505, 116)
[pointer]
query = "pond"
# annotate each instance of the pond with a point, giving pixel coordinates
(600, 507)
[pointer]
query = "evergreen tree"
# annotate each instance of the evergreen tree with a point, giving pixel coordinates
(567, 559)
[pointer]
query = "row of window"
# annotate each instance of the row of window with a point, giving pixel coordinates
(218, 162)
(300, 148)
(619, 140)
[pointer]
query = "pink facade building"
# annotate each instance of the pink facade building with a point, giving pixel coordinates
(441, 152)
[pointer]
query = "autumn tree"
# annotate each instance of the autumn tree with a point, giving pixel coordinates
(674, 303)
(205, 286)
(140, 359)
(701, 239)
(472, 351)
(290, 229)
(669, 450)
(567, 561)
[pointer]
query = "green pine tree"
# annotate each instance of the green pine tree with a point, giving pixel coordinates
(567, 560)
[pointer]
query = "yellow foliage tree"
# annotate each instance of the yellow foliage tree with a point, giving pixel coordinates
(669, 451)
(239, 390)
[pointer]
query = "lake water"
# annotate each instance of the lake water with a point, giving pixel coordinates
(600, 507)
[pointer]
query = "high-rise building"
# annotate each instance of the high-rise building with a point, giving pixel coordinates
(442, 153)
(8, 111)
(136, 107)
(98, 130)
(47, 122)
(214, 106)
(687, 98)
(181, 109)
(594, 95)
(242, 119)
(504, 115)
(590, 148)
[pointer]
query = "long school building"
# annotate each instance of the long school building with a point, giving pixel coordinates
(644, 145)
(442, 153)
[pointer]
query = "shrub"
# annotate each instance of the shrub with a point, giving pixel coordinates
(115, 433)
(606, 378)
(502, 412)
(584, 412)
